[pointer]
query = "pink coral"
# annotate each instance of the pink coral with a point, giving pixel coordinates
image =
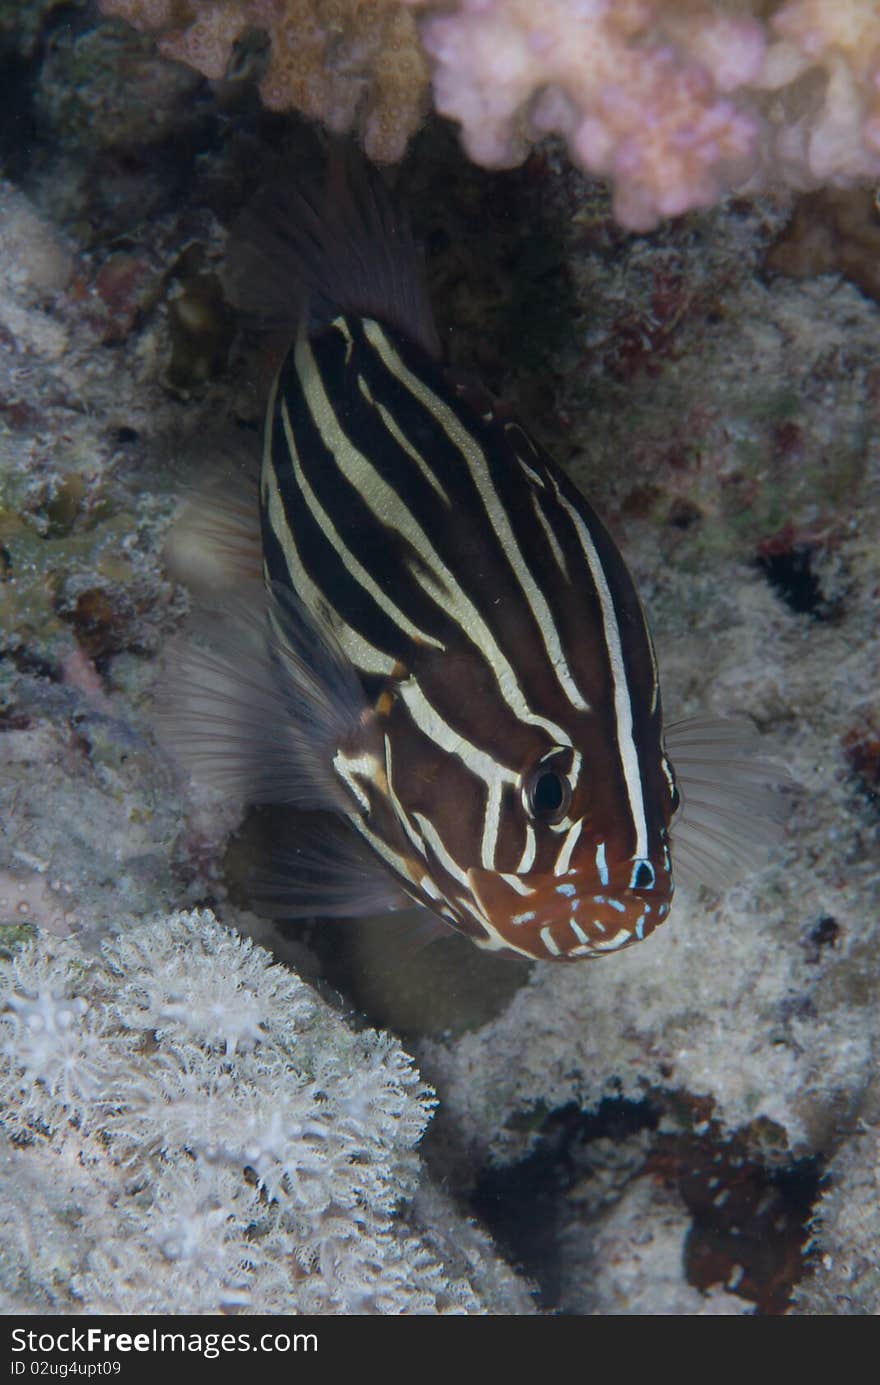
(352, 64)
(676, 101)
(838, 138)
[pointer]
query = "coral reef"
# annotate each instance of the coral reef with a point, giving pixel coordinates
(349, 64)
(21, 25)
(632, 1259)
(107, 87)
(845, 1278)
(674, 101)
(215, 1137)
(833, 231)
(722, 414)
(89, 814)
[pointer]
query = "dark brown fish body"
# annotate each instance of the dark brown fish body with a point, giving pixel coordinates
(498, 635)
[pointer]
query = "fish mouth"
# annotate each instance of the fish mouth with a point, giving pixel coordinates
(564, 918)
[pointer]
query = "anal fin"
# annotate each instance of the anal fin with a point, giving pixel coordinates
(323, 869)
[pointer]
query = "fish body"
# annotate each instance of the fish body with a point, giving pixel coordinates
(513, 776)
(456, 662)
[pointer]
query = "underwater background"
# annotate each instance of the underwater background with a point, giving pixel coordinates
(376, 1127)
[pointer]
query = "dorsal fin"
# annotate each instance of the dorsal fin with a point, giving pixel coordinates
(303, 251)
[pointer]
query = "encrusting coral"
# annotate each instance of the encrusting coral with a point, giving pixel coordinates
(214, 1134)
(350, 64)
(675, 102)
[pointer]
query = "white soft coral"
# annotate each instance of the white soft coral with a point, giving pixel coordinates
(214, 1124)
(52, 1041)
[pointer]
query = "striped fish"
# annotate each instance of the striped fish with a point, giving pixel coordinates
(450, 656)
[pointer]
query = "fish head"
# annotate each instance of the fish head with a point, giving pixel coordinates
(571, 916)
(598, 882)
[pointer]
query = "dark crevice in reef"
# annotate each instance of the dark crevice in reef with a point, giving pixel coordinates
(20, 131)
(522, 1204)
(18, 127)
(748, 1218)
(790, 575)
(789, 565)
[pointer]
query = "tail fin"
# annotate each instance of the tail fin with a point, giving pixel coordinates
(305, 253)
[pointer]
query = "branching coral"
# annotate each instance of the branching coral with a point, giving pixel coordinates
(353, 64)
(675, 101)
(205, 1123)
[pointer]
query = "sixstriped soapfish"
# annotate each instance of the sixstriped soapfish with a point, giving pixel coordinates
(446, 660)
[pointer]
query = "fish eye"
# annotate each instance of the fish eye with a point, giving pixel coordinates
(548, 793)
